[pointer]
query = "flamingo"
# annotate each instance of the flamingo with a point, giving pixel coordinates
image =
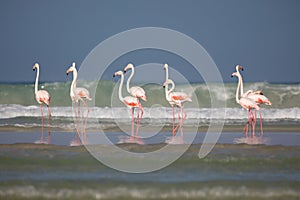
(129, 101)
(166, 67)
(76, 94)
(135, 91)
(178, 99)
(256, 96)
(247, 104)
(42, 96)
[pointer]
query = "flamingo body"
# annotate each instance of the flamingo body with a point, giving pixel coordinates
(131, 102)
(258, 97)
(179, 97)
(42, 96)
(76, 94)
(248, 103)
(138, 92)
(82, 93)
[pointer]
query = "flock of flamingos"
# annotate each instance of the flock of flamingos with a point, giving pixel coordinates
(249, 100)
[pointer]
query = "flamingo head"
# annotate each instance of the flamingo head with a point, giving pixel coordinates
(36, 65)
(118, 73)
(167, 82)
(71, 69)
(129, 66)
(268, 103)
(239, 67)
(234, 74)
(166, 66)
(144, 97)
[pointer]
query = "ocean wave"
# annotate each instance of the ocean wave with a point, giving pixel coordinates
(281, 95)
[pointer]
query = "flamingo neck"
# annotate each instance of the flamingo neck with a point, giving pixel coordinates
(167, 73)
(73, 85)
(36, 80)
(120, 88)
(129, 79)
(237, 91)
(241, 81)
(167, 93)
(172, 88)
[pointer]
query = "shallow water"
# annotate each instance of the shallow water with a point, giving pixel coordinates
(64, 138)
(230, 171)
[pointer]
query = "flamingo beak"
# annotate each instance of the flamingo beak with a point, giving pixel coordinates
(114, 75)
(144, 98)
(124, 71)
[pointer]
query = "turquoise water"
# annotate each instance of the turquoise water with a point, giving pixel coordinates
(281, 95)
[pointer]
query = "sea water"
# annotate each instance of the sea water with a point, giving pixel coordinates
(18, 107)
(269, 170)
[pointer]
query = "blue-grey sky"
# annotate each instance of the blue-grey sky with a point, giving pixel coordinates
(261, 35)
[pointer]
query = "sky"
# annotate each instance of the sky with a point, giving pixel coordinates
(261, 35)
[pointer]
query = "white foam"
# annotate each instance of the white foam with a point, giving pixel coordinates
(12, 111)
(153, 193)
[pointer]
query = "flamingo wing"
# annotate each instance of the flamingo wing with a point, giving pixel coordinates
(137, 92)
(82, 93)
(43, 96)
(180, 96)
(248, 103)
(130, 101)
(259, 99)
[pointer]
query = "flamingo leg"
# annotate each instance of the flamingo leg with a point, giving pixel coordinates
(85, 119)
(253, 123)
(42, 137)
(179, 122)
(79, 116)
(182, 120)
(139, 118)
(261, 127)
(132, 123)
(49, 117)
(255, 120)
(141, 109)
(173, 121)
(246, 128)
(76, 122)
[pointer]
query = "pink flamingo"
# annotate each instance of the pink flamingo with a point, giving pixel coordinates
(246, 103)
(76, 94)
(256, 96)
(166, 67)
(131, 102)
(178, 98)
(135, 91)
(42, 96)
